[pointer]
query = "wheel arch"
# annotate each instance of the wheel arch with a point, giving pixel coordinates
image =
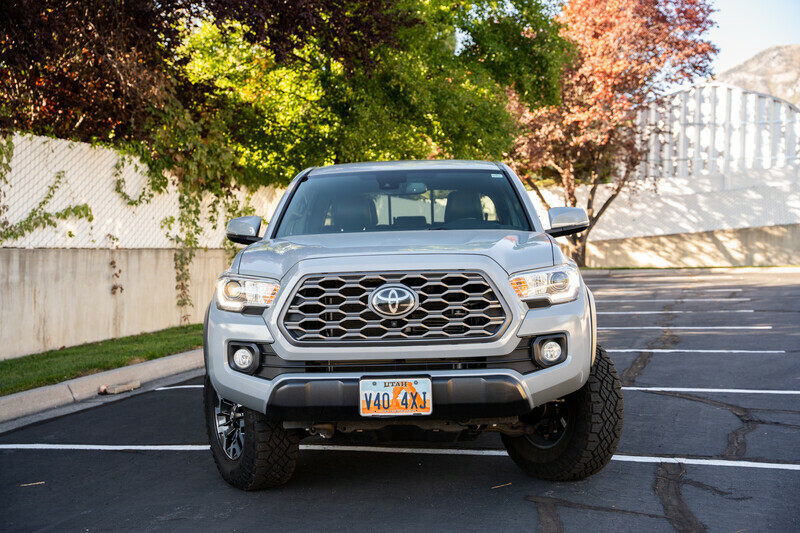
(592, 323)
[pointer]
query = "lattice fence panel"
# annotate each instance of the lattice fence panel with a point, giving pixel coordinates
(89, 177)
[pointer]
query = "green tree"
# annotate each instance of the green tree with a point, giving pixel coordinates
(216, 94)
(416, 96)
(108, 72)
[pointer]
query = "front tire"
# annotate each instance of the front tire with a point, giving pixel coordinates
(251, 452)
(576, 436)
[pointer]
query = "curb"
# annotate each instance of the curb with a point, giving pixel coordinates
(76, 390)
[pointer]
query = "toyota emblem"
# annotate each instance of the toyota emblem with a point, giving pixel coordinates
(393, 301)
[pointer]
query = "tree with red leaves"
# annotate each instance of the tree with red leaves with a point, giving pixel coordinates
(627, 53)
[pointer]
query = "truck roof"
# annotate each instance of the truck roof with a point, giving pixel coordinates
(435, 164)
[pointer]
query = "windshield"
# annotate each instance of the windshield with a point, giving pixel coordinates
(403, 201)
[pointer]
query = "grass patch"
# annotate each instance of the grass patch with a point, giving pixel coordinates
(55, 366)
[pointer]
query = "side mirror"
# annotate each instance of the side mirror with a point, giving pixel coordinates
(244, 230)
(567, 220)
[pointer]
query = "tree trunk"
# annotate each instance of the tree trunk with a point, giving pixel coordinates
(576, 243)
(576, 247)
(580, 252)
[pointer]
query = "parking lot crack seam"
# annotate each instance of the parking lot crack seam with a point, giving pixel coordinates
(667, 486)
(549, 521)
(737, 439)
(628, 377)
(544, 501)
(714, 490)
(667, 339)
(782, 411)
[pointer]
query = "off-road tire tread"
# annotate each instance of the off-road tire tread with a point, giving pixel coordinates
(597, 432)
(268, 460)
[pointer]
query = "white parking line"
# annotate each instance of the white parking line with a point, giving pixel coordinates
(378, 449)
(180, 387)
(655, 286)
(649, 279)
(382, 449)
(674, 312)
(683, 327)
(626, 290)
(705, 462)
(722, 290)
(662, 350)
(677, 300)
(110, 447)
(712, 391)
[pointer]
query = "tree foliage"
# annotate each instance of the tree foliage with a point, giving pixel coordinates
(96, 70)
(212, 90)
(627, 52)
(85, 70)
(518, 44)
(415, 95)
(344, 30)
(215, 94)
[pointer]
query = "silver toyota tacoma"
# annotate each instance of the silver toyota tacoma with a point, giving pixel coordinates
(418, 298)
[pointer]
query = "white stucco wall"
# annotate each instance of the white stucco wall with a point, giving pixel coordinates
(753, 198)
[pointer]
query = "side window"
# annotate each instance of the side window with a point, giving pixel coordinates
(294, 221)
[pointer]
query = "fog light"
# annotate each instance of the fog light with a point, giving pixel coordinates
(551, 351)
(243, 358)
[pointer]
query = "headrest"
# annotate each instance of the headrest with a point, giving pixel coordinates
(354, 213)
(463, 204)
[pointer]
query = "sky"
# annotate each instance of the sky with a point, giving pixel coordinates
(746, 27)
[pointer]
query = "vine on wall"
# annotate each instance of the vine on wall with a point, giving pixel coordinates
(144, 196)
(235, 209)
(190, 152)
(185, 232)
(200, 170)
(6, 152)
(38, 217)
(116, 271)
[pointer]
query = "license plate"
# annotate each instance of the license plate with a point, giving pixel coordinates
(395, 396)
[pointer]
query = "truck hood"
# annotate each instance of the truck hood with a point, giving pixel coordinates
(514, 251)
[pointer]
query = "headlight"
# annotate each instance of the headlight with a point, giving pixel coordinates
(558, 284)
(236, 293)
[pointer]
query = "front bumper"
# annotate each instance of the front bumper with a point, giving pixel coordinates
(458, 398)
(457, 394)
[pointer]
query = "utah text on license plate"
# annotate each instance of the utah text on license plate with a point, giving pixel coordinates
(395, 396)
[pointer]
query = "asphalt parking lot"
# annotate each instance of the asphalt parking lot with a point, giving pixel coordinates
(709, 362)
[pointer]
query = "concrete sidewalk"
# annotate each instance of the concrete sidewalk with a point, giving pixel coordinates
(30, 402)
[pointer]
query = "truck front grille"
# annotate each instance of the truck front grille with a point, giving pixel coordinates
(453, 306)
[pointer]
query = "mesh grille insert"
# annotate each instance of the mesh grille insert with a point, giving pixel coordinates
(452, 306)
